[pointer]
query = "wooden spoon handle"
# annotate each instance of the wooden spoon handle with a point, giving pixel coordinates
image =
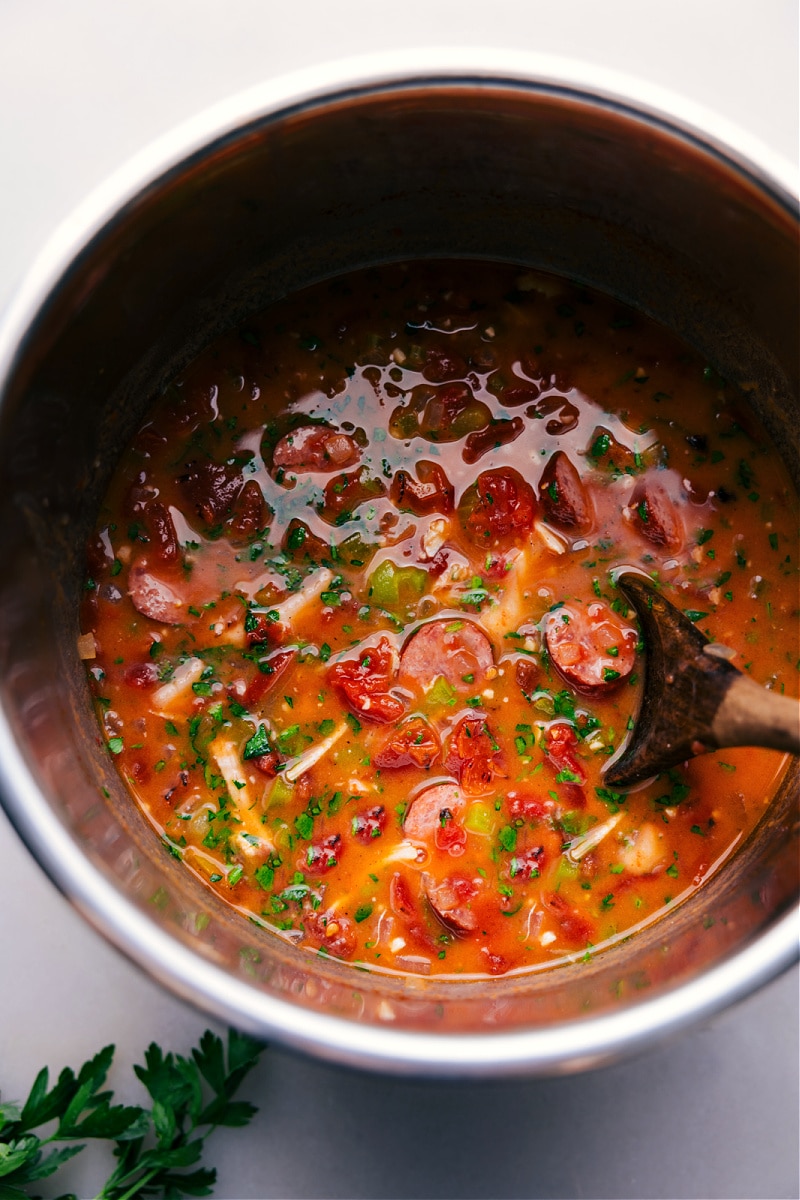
(750, 715)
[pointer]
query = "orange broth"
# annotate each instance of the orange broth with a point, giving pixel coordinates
(353, 633)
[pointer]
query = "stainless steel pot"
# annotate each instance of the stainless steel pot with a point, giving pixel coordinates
(536, 162)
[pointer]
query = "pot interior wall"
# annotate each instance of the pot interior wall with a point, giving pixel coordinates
(545, 180)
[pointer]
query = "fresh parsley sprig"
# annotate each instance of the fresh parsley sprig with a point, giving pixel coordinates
(158, 1149)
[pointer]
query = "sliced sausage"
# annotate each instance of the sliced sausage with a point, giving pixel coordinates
(316, 448)
(152, 597)
(250, 512)
(213, 489)
(654, 515)
(161, 531)
(591, 648)
(431, 810)
(457, 650)
(563, 496)
(450, 900)
(499, 433)
(430, 492)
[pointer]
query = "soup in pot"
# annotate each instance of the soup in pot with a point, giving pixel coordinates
(352, 630)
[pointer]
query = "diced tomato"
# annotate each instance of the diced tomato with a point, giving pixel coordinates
(526, 674)
(430, 492)
(562, 742)
(575, 927)
(527, 807)
(500, 505)
(315, 448)
(320, 856)
(413, 744)
(261, 630)
(450, 834)
(473, 755)
(527, 864)
(364, 683)
(267, 764)
(330, 929)
(142, 675)
(369, 824)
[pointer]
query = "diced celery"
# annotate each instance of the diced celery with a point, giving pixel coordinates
(390, 586)
(280, 792)
(480, 818)
(441, 692)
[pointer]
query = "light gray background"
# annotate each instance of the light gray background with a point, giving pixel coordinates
(85, 83)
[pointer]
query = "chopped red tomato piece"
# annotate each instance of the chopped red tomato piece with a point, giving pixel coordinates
(369, 824)
(562, 741)
(141, 675)
(474, 756)
(331, 930)
(413, 743)
(364, 683)
(500, 505)
(320, 856)
(315, 448)
(575, 928)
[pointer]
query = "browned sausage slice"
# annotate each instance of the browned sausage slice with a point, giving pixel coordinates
(316, 448)
(457, 650)
(655, 516)
(591, 648)
(431, 810)
(450, 900)
(563, 496)
(152, 597)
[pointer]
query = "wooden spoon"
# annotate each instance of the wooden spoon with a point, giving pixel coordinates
(694, 699)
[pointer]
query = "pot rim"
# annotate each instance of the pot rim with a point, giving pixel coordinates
(565, 1046)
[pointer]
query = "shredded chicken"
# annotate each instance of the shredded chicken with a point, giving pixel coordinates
(304, 762)
(179, 687)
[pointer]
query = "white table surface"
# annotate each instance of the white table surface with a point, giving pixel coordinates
(85, 83)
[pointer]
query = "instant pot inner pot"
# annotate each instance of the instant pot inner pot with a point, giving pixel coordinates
(545, 179)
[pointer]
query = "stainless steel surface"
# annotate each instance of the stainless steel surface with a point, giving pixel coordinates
(140, 288)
